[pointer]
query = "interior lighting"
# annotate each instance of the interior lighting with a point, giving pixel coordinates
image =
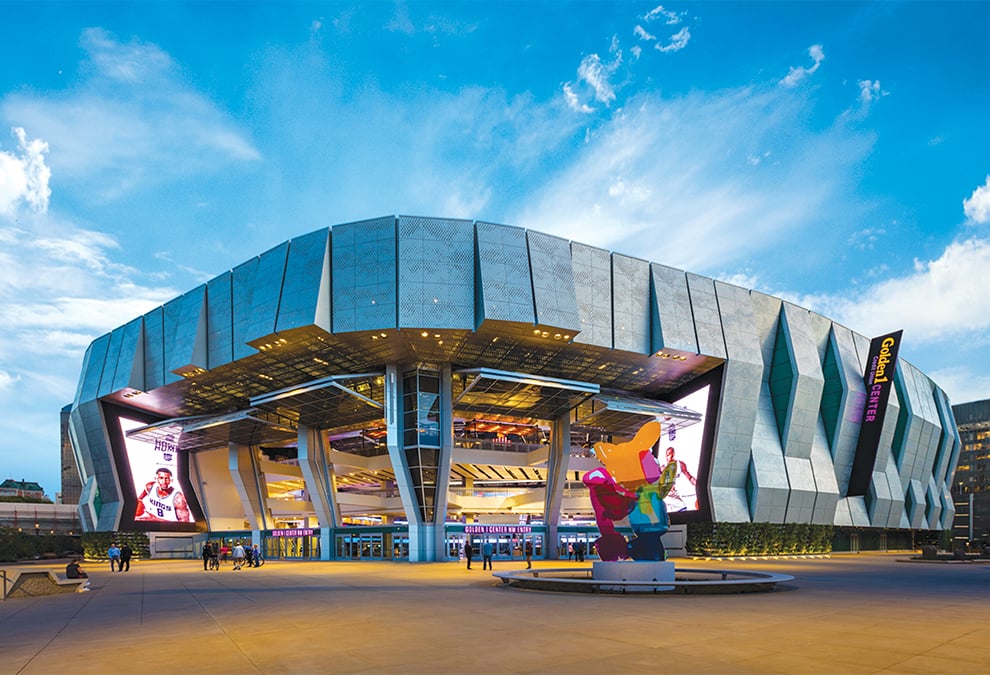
(425, 333)
(384, 335)
(545, 334)
(536, 331)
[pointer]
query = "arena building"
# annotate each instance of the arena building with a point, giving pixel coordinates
(390, 387)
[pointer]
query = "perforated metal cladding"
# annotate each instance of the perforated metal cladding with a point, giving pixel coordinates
(92, 370)
(436, 273)
(185, 333)
(219, 320)
(154, 349)
(631, 303)
(129, 372)
(268, 276)
(242, 302)
(305, 298)
(506, 292)
(364, 275)
(707, 321)
(593, 289)
(110, 362)
(674, 321)
(553, 281)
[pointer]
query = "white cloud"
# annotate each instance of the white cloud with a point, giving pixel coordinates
(941, 299)
(869, 91)
(596, 75)
(797, 74)
(977, 207)
(636, 50)
(641, 33)
(961, 384)
(24, 177)
(678, 41)
(659, 13)
(663, 178)
(7, 381)
(572, 100)
(130, 120)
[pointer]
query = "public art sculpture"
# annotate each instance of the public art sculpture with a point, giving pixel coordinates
(631, 484)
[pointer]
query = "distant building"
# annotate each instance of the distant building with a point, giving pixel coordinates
(21, 488)
(971, 487)
(71, 484)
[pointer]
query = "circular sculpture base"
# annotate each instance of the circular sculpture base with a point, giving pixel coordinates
(625, 571)
(686, 581)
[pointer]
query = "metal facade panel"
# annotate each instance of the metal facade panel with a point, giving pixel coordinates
(593, 288)
(553, 281)
(220, 320)
(768, 484)
(89, 430)
(129, 373)
(742, 380)
(673, 319)
(364, 276)
(631, 304)
(305, 299)
(267, 282)
(154, 349)
(707, 320)
(110, 363)
(766, 316)
(185, 334)
(848, 421)
(505, 289)
(801, 481)
(804, 408)
(242, 287)
(92, 371)
(436, 273)
(826, 486)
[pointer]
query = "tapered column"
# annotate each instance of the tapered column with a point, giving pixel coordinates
(560, 451)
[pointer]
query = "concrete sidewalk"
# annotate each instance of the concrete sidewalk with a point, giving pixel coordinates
(864, 613)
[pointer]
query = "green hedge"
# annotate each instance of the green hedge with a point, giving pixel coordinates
(95, 544)
(735, 539)
(16, 545)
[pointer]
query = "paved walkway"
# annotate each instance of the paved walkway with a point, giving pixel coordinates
(849, 614)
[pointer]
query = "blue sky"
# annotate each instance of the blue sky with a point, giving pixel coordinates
(836, 154)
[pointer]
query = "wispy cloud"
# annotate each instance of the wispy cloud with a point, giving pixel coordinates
(658, 13)
(24, 176)
(869, 91)
(597, 74)
(672, 179)
(977, 207)
(132, 120)
(798, 74)
(940, 299)
(678, 41)
(573, 102)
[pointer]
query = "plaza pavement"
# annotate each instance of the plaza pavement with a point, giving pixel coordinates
(866, 613)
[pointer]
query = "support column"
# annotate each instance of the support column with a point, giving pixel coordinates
(557, 461)
(321, 483)
(444, 461)
(250, 484)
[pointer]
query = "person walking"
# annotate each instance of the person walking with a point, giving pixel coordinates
(468, 552)
(124, 564)
(207, 555)
(487, 550)
(528, 549)
(238, 556)
(114, 554)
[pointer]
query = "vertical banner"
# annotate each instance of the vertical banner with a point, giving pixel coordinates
(879, 378)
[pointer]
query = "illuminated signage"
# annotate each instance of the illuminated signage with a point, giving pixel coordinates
(306, 532)
(497, 529)
(155, 475)
(880, 368)
(683, 447)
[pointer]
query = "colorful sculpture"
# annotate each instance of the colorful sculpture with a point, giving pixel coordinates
(631, 484)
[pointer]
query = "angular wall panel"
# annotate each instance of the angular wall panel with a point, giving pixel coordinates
(673, 320)
(129, 372)
(185, 335)
(553, 282)
(504, 288)
(242, 287)
(306, 294)
(154, 349)
(436, 273)
(364, 276)
(631, 304)
(593, 288)
(707, 322)
(220, 320)
(265, 294)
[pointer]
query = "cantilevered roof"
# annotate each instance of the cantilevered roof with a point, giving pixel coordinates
(336, 401)
(494, 393)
